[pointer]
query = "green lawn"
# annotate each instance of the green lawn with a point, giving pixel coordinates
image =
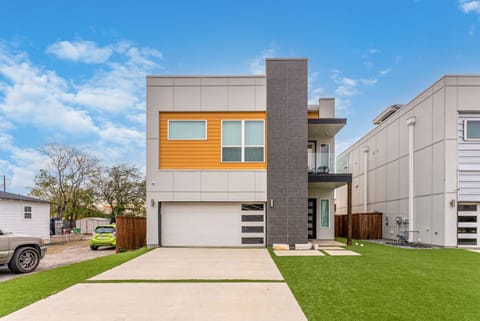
(20, 292)
(386, 283)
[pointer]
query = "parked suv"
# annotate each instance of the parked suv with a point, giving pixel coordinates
(22, 253)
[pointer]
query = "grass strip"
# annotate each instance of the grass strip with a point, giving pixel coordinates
(22, 291)
(386, 283)
(185, 281)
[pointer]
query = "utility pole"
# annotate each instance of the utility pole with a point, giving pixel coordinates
(4, 183)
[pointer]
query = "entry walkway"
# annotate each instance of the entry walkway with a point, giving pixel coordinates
(176, 284)
(198, 264)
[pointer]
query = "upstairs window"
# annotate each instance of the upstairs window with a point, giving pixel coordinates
(471, 129)
(243, 141)
(27, 212)
(187, 129)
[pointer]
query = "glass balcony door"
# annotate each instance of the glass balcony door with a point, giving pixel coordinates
(312, 156)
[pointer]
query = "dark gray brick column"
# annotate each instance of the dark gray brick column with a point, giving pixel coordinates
(287, 136)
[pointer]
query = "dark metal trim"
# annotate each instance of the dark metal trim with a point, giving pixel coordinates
(327, 121)
(334, 178)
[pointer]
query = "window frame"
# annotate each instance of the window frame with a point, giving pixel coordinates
(187, 120)
(25, 212)
(242, 145)
(465, 129)
(320, 155)
(320, 213)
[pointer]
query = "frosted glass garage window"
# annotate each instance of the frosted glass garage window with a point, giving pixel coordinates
(472, 129)
(187, 129)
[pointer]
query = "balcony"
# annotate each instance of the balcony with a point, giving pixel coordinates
(323, 175)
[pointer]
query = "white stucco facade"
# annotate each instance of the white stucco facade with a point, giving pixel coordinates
(418, 178)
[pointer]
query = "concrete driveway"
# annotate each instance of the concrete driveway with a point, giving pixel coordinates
(61, 254)
(177, 284)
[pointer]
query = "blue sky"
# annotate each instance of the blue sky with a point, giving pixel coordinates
(74, 71)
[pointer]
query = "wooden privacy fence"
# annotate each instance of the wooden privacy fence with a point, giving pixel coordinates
(366, 226)
(131, 232)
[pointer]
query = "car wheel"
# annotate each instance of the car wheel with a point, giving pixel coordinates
(24, 260)
(93, 247)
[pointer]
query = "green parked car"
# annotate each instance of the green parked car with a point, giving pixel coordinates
(105, 235)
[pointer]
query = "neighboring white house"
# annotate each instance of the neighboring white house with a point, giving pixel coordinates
(88, 224)
(24, 215)
(420, 166)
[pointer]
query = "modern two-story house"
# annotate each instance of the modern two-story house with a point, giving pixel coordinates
(420, 166)
(240, 160)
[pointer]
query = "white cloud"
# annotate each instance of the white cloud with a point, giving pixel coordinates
(348, 82)
(20, 174)
(122, 85)
(140, 118)
(348, 87)
(346, 91)
(369, 82)
(468, 6)
(257, 64)
(342, 106)
(315, 94)
(385, 71)
(32, 95)
(104, 114)
(121, 135)
(81, 51)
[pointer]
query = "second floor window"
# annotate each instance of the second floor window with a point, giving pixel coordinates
(187, 129)
(243, 141)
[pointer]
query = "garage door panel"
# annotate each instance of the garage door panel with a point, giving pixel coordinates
(201, 229)
(210, 224)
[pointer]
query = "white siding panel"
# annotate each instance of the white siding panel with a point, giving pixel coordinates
(468, 164)
(12, 218)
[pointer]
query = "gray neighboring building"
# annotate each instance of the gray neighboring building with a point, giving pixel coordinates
(240, 160)
(421, 166)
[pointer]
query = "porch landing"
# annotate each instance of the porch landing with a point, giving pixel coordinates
(326, 243)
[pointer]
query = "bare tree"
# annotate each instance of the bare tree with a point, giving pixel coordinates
(69, 172)
(123, 187)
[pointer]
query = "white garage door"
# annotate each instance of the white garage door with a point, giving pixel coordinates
(213, 224)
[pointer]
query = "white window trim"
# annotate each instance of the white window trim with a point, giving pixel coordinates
(242, 146)
(320, 213)
(465, 125)
(187, 120)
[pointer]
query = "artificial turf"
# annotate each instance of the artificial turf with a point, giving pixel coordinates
(386, 283)
(20, 292)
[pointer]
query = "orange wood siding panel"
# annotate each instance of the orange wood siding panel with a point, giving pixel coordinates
(202, 154)
(313, 114)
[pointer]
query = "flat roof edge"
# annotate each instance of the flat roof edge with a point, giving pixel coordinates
(206, 76)
(285, 59)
